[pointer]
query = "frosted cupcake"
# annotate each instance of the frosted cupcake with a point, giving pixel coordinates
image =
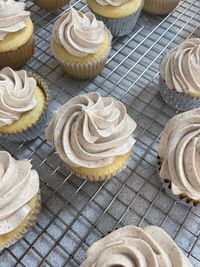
(23, 104)
(16, 34)
(120, 16)
(180, 76)
(92, 135)
(179, 156)
(133, 246)
(160, 7)
(20, 199)
(51, 4)
(81, 44)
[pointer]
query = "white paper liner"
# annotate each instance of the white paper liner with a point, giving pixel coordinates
(176, 100)
(121, 26)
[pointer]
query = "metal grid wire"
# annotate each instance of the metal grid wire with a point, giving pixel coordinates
(76, 213)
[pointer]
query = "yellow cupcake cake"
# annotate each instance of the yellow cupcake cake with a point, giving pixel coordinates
(92, 135)
(160, 7)
(81, 44)
(20, 202)
(23, 104)
(51, 4)
(16, 34)
(120, 16)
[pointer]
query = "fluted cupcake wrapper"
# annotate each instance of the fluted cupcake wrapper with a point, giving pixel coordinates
(84, 71)
(37, 128)
(160, 7)
(121, 26)
(51, 4)
(182, 198)
(19, 57)
(31, 221)
(177, 100)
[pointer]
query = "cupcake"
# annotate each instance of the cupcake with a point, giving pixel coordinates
(16, 34)
(23, 104)
(180, 76)
(133, 246)
(160, 7)
(81, 44)
(179, 156)
(20, 199)
(51, 4)
(120, 16)
(92, 135)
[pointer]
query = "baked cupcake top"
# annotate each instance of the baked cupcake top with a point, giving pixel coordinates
(134, 246)
(18, 185)
(111, 2)
(90, 130)
(80, 34)
(180, 67)
(13, 17)
(16, 95)
(179, 151)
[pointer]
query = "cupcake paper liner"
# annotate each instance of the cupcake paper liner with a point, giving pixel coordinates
(177, 100)
(182, 198)
(32, 219)
(51, 4)
(121, 26)
(84, 71)
(160, 7)
(35, 130)
(18, 58)
(96, 177)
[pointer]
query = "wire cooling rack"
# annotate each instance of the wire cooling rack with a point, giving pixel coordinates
(76, 213)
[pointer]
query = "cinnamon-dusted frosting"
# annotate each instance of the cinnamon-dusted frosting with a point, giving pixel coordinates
(16, 95)
(13, 17)
(18, 185)
(80, 34)
(90, 130)
(111, 2)
(180, 67)
(132, 246)
(180, 152)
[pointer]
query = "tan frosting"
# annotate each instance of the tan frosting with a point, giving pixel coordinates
(90, 130)
(180, 68)
(180, 150)
(16, 95)
(131, 246)
(80, 34)
(111, 2)
(18, 185)
(12, 17)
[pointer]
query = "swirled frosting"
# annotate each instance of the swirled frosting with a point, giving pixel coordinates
(180, 68)
(16, 95)
(180, 152)
(80, 34)
(111, 2)
(131, 246)
(13, 17)
(18, 185)
(90, 130)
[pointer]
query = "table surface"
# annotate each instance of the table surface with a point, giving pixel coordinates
(76, 213)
